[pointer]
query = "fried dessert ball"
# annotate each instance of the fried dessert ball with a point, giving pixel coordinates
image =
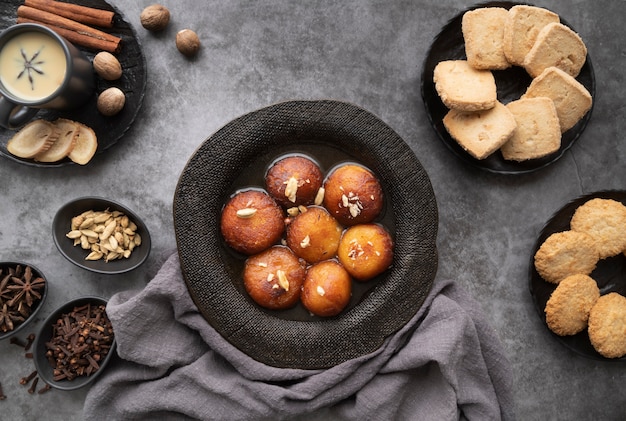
(365, 250)
(327, 288)
(251, 222)
(294, 181)
(353, 195)
(314, 235)
(274, 278)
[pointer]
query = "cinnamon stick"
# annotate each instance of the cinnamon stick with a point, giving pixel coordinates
(82, 14)
(73, 31)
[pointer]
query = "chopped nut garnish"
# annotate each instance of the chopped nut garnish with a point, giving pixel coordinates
(291, 189)
(306, 242)
(293, 211)
(282, 280)
(246, 212)
(320, 290)
(319, 197)
(353, 203)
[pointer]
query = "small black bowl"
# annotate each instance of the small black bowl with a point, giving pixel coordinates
(61, 225)
(4, 266)
(43, 366)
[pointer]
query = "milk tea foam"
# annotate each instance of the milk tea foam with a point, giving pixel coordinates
(32, 66)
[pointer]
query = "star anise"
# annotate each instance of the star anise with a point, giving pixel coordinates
(5, 293)
(8, 317)
(26, 288)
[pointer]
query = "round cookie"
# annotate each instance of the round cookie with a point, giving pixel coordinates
(327, 289)
(251, 222)
(566, 253)
(353, 195)
(567, 310)
(605, 221)
(607, 325)
(294, 181)
(314, 235)
(274, 278)
(365, 250)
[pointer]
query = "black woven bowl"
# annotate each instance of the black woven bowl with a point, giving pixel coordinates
(334, 130)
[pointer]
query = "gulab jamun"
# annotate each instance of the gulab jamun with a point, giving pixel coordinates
(274, 278)
(252, 222)
(353, 194)
(314, 235)
(365, 250)
(327, 288)
(294, 181)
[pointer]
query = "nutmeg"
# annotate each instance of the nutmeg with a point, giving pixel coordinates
(111, 101)
(107, 66)
(155, 17)
(187, 42)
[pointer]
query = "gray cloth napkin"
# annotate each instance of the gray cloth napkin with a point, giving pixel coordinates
(445, 364)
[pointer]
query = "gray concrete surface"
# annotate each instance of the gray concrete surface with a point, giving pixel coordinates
(368, 52)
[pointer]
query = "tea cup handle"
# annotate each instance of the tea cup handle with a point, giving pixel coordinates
(13, 116)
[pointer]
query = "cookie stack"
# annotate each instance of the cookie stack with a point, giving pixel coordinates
(531, 126)
(568, 258)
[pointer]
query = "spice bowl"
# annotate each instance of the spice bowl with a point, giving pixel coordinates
(23, 290)
(74, 344)
(101, 235)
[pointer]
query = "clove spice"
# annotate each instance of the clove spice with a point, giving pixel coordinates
(80, 340)
(2, 396)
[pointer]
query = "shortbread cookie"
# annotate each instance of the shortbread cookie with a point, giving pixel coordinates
(605, 221)
(567, 310)
(481, 133)
(566, 253)
(571, 99)
(521, 29)
(538, 132)
(32, 139)
(463, 88)
(67, 131)
(483, 31)
(558, 46)
(607, 325)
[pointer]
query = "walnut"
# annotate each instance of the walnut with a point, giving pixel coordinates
(107, 66)
(111, 101)
(155, 17)
(187, 42)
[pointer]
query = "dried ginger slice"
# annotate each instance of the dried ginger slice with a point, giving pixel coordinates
(67, 131)
(86, 145)
(32, 139)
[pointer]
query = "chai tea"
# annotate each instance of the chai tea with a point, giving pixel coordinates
(32, 66)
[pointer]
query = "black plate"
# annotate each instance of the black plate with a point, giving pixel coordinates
(212, 275)
(511, 84)
(133, 83)
(610, 274)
